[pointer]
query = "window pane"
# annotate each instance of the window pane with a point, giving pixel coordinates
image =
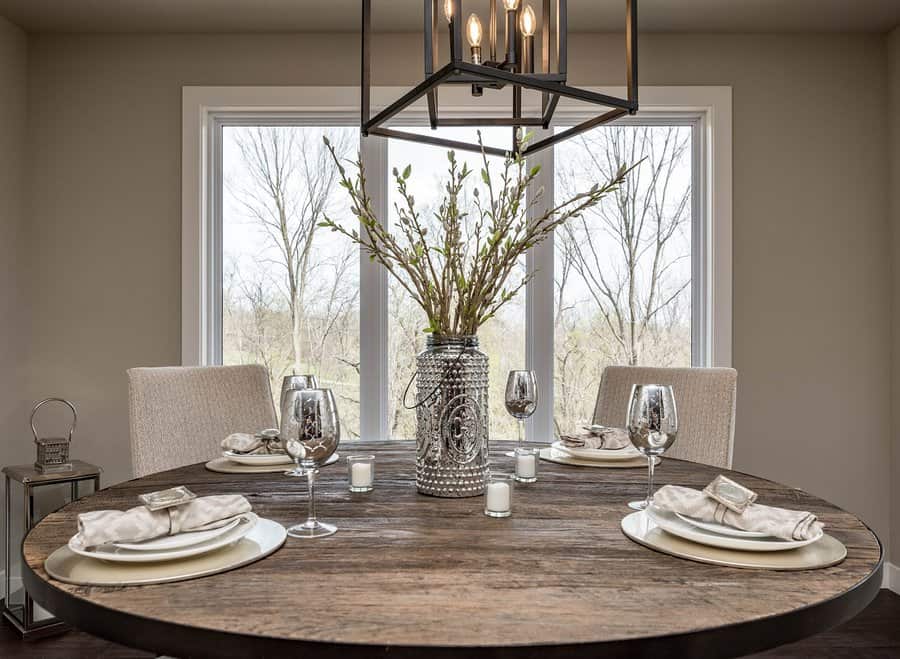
(623, 270)
(290, 290)
(502, 338)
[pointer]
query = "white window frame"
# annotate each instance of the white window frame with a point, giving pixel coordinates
(205, 109)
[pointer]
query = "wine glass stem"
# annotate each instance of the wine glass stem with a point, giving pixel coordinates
(311, 480)
(520, 423)
(650, 461)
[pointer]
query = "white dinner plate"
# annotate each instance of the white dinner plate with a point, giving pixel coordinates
(116, 555)
(552, 455)
(179, 540)
(258, 459)
(671, 524)
(721, 529)
(602, 454)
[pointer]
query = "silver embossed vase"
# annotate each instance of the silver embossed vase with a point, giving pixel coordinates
(452, 417)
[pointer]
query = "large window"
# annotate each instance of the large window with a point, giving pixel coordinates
(643, 279)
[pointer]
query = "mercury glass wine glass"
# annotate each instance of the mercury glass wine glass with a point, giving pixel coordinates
(319, 430)
(288, 427)
(521, 399)
(652, 427)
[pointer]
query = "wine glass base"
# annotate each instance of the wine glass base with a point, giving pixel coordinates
(510, 454)
(314, 530)
(638, 505)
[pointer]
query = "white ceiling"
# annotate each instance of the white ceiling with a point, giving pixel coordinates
(406, 15)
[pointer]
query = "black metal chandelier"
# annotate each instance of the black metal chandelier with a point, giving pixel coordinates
(515, 69)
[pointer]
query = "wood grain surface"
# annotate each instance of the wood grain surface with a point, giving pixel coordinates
(406, 573)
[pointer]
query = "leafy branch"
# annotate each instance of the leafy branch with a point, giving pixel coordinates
(459, 277)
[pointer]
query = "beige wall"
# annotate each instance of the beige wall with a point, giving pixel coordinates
(14, 444)
(894, 186)
(811, 239)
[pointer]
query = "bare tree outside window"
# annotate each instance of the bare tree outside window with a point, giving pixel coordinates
(623, 269)
(290, 291)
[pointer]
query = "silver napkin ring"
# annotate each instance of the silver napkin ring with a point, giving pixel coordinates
(174, 496)
(733, 496)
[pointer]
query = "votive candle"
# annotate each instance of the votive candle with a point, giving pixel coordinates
(526, 465)
(498, 496)
(362, 472)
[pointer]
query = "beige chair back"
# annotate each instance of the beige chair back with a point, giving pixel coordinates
(705, 398)
(180, 414)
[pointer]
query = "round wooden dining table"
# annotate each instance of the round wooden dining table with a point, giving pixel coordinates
(413, 576)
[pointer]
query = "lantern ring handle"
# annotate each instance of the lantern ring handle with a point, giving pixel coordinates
(56, 400)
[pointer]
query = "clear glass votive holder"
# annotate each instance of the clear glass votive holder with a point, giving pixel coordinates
(526, 464)
(361, 470)
(498, 495)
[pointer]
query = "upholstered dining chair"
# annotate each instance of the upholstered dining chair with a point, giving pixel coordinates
(705, 399)
(180, 414)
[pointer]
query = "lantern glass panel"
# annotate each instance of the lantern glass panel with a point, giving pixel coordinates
(50, 498)
(13, 589)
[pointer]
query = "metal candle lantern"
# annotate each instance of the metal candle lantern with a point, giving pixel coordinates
(38, 494)
(53, 481)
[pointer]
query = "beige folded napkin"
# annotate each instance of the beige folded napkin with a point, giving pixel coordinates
(101, 527)
(247, 444)
(599, 437)
(776, 522)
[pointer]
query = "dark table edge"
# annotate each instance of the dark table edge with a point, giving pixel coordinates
(185, 641)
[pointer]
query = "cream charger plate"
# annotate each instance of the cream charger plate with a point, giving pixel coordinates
(671, 524)
(601, 454)
(113, 554)
(827, 551)
(179, 539)
(225, 466)
(552, 455)
(264, 539)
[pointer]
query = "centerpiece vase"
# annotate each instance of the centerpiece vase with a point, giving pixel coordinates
(452, 422)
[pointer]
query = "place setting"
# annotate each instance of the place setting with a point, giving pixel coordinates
(596, 446)
(723, 524)
(172, 535)
(175, 535)
(263, 452)
(711, 526)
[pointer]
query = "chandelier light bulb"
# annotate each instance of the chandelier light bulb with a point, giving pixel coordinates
(511, 5)
(529, 22)
(473, 30)
(448, 10)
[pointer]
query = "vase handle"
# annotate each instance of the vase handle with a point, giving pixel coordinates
(433, 391)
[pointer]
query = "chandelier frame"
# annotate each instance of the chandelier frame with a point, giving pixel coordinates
(496, 75)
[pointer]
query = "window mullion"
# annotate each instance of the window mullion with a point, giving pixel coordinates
(539, 301)
(373, 305)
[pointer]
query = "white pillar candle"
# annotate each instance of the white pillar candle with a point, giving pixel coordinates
(361, 474)
(498, 497)
(525, 466)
